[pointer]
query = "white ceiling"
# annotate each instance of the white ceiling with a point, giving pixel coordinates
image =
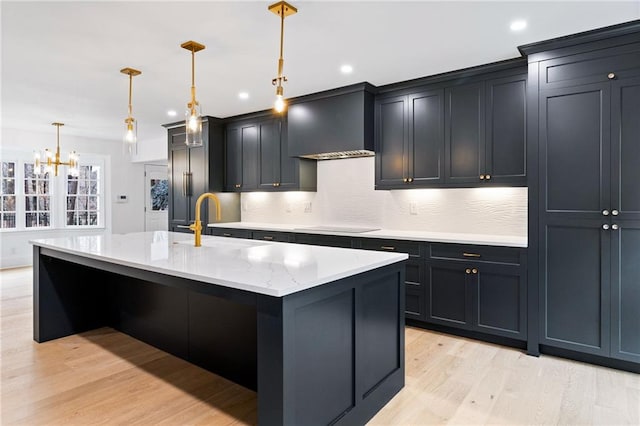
(61, 61)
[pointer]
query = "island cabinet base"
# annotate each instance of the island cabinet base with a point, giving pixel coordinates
(332, 354)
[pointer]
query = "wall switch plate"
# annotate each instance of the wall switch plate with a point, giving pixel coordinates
(413, 208)
(307, 207)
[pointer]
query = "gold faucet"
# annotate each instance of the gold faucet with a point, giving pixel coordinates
(196, 226)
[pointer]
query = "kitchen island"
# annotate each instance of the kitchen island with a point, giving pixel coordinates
(318, 332)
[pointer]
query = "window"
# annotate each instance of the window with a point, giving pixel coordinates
(8, 195)
(32, 202)
(37, 198)
(159, 194)
(83, 197)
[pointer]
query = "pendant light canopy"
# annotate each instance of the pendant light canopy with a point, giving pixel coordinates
(52, 161)
(193, 114)
(282, 9)
(131, 126)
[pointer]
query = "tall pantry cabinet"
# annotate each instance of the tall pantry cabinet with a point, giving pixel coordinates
(584, 194)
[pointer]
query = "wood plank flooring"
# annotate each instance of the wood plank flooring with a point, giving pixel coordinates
(105, 377)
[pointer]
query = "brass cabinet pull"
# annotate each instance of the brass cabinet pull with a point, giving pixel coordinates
(615, 227)
(605, 212)
(237, 185)
(184, 184)
(474, 270)
(410, 180)
(605, 226)
(387, 247)
(467, 271)
(471, 254)
(481, 177)
(487, 177)
(226, 234)
(183, 226)
(615, 212)
(611, 76)
(267, 237)
(405, 180)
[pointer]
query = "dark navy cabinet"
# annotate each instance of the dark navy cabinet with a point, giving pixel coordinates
(193, 171)
(584, 194)
(461, 129)
(257, 157)
(477, 288)
(410, 139)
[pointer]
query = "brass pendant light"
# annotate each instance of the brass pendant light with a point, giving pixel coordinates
(131, 132)
(282, 9)
(193, 114)
(53, 160)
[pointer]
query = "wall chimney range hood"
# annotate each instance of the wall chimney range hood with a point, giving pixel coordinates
(333, 124)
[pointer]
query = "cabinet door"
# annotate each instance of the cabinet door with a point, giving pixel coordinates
(625, 152)
(392, 137)
(425, 159)
(575, 286)
(414, 290)
(575, 151)
(233, 154)
(198, 181)
(289, 177)
(179, 213)
(448, 295)
(500, 300)
(505, 160)
(269, 152)
(464, 133)
(625, 291)
(250, 157)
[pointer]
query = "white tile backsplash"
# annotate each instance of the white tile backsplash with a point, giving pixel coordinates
(346, 197)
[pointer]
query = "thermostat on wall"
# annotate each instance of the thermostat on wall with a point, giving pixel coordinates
(122, 198)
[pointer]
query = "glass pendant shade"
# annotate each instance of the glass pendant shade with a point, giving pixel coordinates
(129, 141)
(193, 124)
(279, 105)
(74, 160)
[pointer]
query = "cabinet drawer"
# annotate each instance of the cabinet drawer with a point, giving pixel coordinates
(323, 240)
(412, 248)
(587, 68)
(508, 255)
(231, 232)
(414, 303)
(414, 275)
(271, 236)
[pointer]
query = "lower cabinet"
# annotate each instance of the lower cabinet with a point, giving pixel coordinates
(476, 288)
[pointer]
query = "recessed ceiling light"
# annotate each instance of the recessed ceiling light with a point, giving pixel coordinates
(518, 25)
(243, 95)
(346, 69)
(171, 113)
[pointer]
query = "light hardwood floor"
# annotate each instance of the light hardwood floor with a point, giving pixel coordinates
(105, 377)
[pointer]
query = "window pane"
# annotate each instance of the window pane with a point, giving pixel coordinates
(72, 186)
(82, 218)
(31, 220)
(71, 203)
(81, 204)
(8, 220)
(93, 218)
(93, 203)
(30, 203)
(95, 172)
(82, 186)
(8, 186)
(8, 169)
(28, 171)
(93, 187)
(43, 218)
(29, 186)
(43, 203)
(9, 203)
(43, 186)
(71, 218)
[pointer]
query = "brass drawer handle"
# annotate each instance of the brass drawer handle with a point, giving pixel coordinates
(226, 234)
(471, 255)
(387, 247)
(267, 237)
(238, 185)
(474, 271)
(467, 271)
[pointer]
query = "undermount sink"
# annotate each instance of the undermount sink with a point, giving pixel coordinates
(346, 229)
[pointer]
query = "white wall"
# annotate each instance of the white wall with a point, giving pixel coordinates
(346, 196)
(121, 177)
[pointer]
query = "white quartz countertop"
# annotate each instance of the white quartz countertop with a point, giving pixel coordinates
(434, 237)
(271, 268)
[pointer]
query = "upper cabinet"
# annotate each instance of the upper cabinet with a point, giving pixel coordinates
(257, 157)
(193, 170)
(462, 129)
